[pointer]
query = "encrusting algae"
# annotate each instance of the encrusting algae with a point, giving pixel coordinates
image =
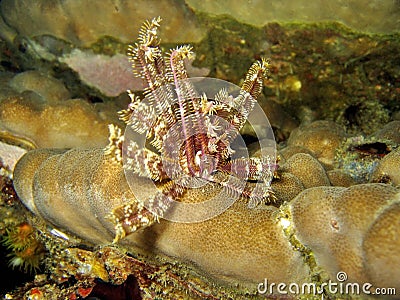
(300, 227)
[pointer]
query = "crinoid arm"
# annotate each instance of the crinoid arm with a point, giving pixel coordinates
(187, 108)
(136, 214)
(251, 89)
(177, 138)
(129, 218)
(148, 63)
(236, 110)
(115, 140)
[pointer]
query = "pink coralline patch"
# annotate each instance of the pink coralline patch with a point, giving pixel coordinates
(10, 155)
(111, 75)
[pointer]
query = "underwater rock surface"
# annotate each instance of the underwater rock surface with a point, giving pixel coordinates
(78, 21)
(332, 101)
(369, 16)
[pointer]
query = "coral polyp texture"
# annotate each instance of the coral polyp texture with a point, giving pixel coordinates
(111, 217)
(39, 108)
(341, 226)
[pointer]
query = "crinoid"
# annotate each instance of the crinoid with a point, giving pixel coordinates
(185, 134)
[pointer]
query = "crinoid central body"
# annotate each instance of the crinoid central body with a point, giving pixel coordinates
(184, 134)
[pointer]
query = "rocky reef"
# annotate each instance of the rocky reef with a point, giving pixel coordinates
(325, 213)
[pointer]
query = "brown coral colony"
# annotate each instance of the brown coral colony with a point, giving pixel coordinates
(336, 197)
